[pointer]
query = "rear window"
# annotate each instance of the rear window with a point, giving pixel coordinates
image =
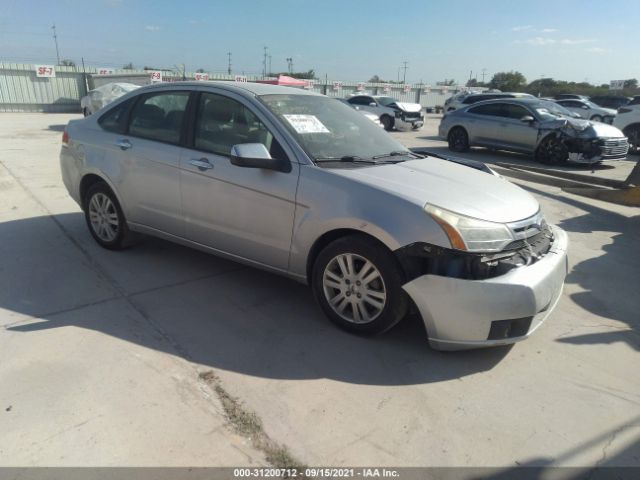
(479, 98)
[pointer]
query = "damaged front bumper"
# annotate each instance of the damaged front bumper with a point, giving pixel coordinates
(597, 150)
(408, 121)
(462, 314)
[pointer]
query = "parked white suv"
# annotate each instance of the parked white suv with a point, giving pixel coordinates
(392, 113)
(628, 120)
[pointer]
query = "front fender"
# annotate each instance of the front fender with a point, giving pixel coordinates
(327, 202)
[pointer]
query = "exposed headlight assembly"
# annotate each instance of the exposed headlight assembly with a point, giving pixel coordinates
(471, 234)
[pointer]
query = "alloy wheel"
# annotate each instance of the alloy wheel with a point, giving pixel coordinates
(354, 288)
(103, 217)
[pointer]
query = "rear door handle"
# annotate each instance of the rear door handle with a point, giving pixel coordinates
(202, 164)
(124, 144)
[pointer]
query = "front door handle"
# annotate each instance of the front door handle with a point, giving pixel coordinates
(202, 164)
(124, 144)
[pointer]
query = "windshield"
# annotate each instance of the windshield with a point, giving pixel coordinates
(386, 101)
(551, 111)
(327, 129)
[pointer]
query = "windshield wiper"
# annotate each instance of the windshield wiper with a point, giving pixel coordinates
(395, 153)
(345, 158)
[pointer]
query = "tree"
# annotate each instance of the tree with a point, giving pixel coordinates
(631, 83)
(68, 63)
(508, 81)
(200, 70)
(376, 79)
(128, 66)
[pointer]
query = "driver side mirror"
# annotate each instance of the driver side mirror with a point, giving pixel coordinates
(585, 107)
(256, 155)
(527, 119)
(373, 104)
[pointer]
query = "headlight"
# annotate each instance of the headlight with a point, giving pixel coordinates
(471, 234)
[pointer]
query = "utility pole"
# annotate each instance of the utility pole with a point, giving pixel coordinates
(270, 71)
(264, 64)
(404, 78)
(483, 74)
(229, 63)
(55, 39)
(290, 64)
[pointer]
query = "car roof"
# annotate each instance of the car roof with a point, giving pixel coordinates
(244, 88)
(516, 100)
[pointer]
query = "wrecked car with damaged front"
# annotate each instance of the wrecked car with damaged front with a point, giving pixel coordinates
(298, 184)
(544, 129)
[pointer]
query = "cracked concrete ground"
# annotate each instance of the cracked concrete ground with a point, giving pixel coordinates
(100, 351)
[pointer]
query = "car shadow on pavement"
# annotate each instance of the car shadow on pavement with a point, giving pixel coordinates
(57, 128)
(207, 310)
(610, 281)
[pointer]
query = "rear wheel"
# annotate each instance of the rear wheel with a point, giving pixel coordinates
(387, 122)
(104, 217)
(458, 139)
(358, 285)
(633, 134)
(596, 118)
(552, 151)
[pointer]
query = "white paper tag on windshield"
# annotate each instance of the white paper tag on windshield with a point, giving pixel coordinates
(306, 124)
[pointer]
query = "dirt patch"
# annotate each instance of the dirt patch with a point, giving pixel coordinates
(249, 425)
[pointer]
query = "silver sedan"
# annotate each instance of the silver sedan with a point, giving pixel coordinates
(301, 185)
(542, 128)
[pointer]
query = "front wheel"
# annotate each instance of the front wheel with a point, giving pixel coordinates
(552, 151)
(596, 118)
(387, 122)
(458, 140)
(633, 134)
(358, 285)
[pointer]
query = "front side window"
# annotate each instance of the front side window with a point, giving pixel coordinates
(492, 109)
(360, 100)
(159, 116)
(222, 122)
(327, 129)
(515, 112)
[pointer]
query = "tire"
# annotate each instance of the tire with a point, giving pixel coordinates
(387, 122)
(633, 134)
(458, 140)
(104, 217)
(339, 276)
(552, 151)
(596, 118)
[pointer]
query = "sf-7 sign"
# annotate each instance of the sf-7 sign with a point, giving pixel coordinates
(45, 71)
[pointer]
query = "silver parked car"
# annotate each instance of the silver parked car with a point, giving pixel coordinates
(391, 112)
(301, 185)
(589, 110)
(542, 128)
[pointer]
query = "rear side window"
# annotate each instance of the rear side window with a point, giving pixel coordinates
(115, 119)
(159, 116)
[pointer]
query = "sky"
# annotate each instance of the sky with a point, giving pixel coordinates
(348, 40)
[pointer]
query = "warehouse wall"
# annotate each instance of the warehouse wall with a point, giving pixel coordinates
(22, 91)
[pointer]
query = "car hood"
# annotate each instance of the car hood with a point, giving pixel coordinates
(409, 107)
(451, 186)
(586, 127)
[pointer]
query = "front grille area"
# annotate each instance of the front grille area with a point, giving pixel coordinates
(614, 147)
(411, 115)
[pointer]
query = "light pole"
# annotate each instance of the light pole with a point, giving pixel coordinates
(55, 39)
